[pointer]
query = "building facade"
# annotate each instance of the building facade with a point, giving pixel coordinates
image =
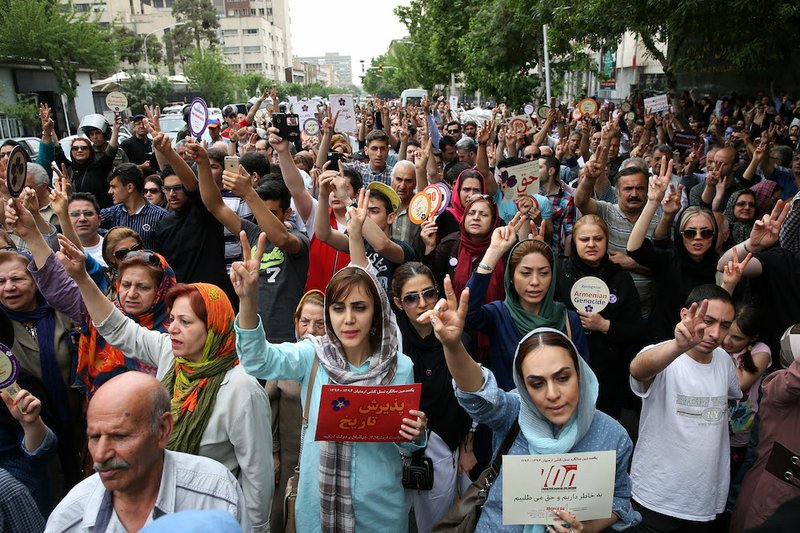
(342, 65)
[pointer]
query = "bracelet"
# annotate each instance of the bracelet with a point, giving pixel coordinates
(485, 266)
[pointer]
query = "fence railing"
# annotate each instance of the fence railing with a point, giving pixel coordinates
(9, 127)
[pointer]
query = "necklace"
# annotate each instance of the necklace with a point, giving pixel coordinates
(30, 327)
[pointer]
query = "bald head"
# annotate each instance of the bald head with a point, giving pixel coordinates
(133, 394)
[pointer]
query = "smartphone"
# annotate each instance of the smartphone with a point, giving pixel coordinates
(232, 163)
(334, 157)
(288, 125)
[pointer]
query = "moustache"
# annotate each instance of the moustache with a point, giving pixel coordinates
(111, 464)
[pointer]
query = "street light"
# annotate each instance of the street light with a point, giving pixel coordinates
(175, 25)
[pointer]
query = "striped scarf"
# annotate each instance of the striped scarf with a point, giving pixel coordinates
(194, 385)
(336, 498)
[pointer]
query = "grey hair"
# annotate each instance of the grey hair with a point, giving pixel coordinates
(39, 174)
(159, 404)
(403, 163)
(465, 143)
(637, 162)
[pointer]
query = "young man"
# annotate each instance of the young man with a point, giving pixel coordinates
(560, 196)
(284, 265)
(380, 163)
(139, 147)
(681, 464)
(126, 188)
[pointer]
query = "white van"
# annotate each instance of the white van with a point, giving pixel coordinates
(412, 96)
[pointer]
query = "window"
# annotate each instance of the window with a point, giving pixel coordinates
(252, 49)
(81, 8)
(230, 32)
(231, 50)
(236, 68)
(251, 31)
(251, 67)
(261, 11)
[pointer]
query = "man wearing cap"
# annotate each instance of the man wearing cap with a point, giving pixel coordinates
(139, 147)
(404, 179)
(215, 133)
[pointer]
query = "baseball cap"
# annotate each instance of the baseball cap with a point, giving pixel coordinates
(386, 191)
(213, 123)
(137, 118)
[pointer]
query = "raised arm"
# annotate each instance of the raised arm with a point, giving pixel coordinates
(303, 200)
(482, 160)
(655, 193)
(322, 224)
(595, 168)
(355, 223)
(74, 262)
(163, 144)
(764, 235)
(688, 334)
(209, 192)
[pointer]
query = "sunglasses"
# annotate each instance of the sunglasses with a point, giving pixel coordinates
(486, 197)
(87, 214)
(119, 255)
(176, 188)
(148, 257)
(79, 148)
(691, 233)
(531, 156)
(412, 299)
(152, 190)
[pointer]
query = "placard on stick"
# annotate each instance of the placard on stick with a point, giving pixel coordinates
(346, 107)
(365, 414)
(9, 371)
(17, 170)
(520, 180)
(198, 117)
(656, 104)
(520, 124)
(116, 101)
(590, 294)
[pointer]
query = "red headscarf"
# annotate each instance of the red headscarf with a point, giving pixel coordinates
(470, 250)
(457, 209)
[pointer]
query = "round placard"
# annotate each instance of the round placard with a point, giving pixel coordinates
(198, 117)
(17, 170)
(435, 195)
(630, 115)
(625, 106)
(446, 197)
(518, 125)
(576, 114)
(9, 368)
(543, 111)
(116, 101)
(588, 106)
(529, 109)
(590, 294)
(419, 208)
(311, 127)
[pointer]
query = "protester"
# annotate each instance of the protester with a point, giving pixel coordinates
(152, 191)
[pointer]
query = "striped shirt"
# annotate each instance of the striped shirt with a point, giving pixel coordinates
(144, 221)
(368, 174)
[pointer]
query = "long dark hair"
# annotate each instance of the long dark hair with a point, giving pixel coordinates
(344, 282)
(545, 339)
(749, 321)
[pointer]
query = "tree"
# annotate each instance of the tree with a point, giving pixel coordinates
(141, 91)
(208, 74)
(200, 24)
(24, 110)
(59, 37)
(254, 83)
(130, 46)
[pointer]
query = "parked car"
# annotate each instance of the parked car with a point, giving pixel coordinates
(31, 145)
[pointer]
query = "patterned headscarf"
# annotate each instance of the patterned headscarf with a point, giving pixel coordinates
(98, 361)
(194, 385)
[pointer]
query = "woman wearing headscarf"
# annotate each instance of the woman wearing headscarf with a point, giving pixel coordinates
(551, 411)
(678, 266)
(529, 303)
(614, 334)
(741, 213)
(219, 411)
(344, 486)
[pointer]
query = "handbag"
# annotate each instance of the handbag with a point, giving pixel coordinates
(290, 496)
(464, 514)
(418, 472)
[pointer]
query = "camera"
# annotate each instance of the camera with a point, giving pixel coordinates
(288, 125)
(334, 157)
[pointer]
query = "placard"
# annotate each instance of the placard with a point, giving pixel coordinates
(656, 104)
(346, 107)
(590, 294)
(9, 371)
(588, 107)
(535, 486)
(529, 109)
(307, 116)
(116, 101)
(447, 195)
(419, 208)
(292, 102)
(17, 170)
(365, 414)
(436, 197)
(454, 103)
(625, 106)
(198, 117)
(543, 111)
(520, 180)
(520, 124)
(684, 140)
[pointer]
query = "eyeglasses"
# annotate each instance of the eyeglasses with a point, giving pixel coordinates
(119, 255)
(531, 156)
(79, 147)
(5, 154)
(691, 233)
(745, 204)
(87, 214)
(8, 247)
(152, 190)
(412, 299)
(176, 188)
(148, 257)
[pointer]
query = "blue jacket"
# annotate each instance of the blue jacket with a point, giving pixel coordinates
(494, 320)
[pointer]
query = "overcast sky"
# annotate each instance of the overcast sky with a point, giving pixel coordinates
(361, 29)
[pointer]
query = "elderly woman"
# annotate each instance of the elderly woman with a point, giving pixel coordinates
(220, 412)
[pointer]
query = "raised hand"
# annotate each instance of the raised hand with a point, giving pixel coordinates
(766, 231)
(18, 217)
(47, 121)
(658, 184)
(278, 143)
(153, 123)
(196, 151)
(448, 315)
(672, 200)
(59, 196)
(244, 273)
(505, 237)
(689, 331)
(71, 258)
(429, 234)
(485, 133)
(239, 183)
(162, 143)
(24, 407)
(357, 215)
(732, 273)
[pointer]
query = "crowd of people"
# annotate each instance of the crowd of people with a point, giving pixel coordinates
(176, 308)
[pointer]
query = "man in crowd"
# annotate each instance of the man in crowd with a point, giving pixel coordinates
(380, 163)
(102, 135)
(138, 480)
(84, 212)
(560, 196)
(680, 469)
(130, 209)
(404, 179)
(139, 147)
(467, 150)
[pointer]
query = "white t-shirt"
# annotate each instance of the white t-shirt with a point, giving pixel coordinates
(681, 464)
(96, 252)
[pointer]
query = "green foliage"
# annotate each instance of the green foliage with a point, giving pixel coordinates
(200, 24)
(208, 74)
(141, 91)
(130, 46)
(24, 110)
(254, 83)
(59, 36)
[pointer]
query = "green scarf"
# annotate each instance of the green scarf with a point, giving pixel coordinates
(552, 314)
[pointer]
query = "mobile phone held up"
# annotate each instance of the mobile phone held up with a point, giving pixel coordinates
(288, 125)
(232, 163)
(334, 157)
